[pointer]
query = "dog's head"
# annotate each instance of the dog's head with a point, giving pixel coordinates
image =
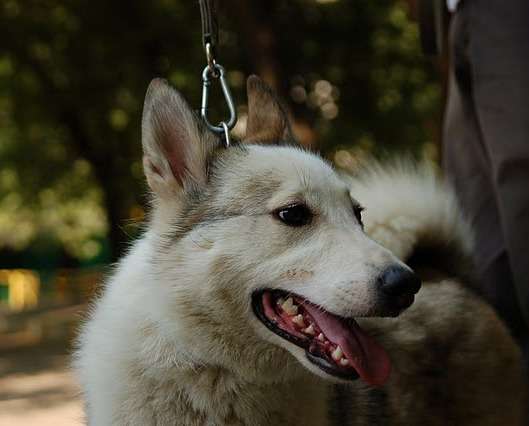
(260, 247)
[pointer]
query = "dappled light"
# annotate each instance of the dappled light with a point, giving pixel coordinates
(71, 99)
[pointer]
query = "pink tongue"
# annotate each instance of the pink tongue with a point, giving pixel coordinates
(369, 359)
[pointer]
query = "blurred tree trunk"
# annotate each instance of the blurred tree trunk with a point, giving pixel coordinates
(256, 26)
(253, 19)
(441, 62)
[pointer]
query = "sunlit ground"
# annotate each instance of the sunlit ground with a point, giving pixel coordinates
(36, 384)
(32, 394)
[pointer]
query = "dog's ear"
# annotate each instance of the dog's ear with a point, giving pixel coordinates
(175, 149)
(267, 118)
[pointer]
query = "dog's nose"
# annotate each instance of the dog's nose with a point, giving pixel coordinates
(399, 285)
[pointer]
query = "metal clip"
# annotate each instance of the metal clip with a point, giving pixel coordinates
(210, 57)
(206, 83)
(210, 35)
(226, 134)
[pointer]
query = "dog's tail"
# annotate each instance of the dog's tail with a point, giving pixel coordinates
(415, 214)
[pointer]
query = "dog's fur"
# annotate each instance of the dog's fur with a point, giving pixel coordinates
(173, 339)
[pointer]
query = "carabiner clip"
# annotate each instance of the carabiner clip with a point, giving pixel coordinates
(206, 83)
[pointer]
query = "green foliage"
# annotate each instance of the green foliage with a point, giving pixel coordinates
(73, 75)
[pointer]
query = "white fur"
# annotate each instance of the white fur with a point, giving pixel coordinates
(140, 353)
(407, 203)
(174, 340)
(147, 342)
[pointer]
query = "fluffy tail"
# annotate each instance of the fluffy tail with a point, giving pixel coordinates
(412, 212)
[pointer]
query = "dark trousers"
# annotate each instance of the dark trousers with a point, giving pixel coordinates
(486, 147)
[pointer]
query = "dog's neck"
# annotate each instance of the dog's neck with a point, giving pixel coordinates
(177, 385)
(208, 394)
(229, 399)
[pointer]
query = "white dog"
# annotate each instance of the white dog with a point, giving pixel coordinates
(237, 305)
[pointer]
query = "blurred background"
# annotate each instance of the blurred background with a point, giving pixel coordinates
(73, 75)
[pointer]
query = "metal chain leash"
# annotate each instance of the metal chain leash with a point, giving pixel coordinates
(214, 71)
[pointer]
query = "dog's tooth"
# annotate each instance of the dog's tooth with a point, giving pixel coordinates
(298, 320)
(337, 353)
(280, 301)
(309, 330)
(344, 362)
(321, 337)
(289, 307)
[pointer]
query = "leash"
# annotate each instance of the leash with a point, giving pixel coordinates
(214, 71)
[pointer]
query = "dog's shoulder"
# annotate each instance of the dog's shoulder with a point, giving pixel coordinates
(110, 336)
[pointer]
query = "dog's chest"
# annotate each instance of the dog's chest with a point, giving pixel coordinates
(293, 404)
(220, 401)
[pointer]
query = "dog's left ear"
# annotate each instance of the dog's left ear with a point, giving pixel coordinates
(175, 149)
(267, 118)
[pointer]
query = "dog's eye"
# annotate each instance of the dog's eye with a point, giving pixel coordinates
(294, 215)
(357, 210)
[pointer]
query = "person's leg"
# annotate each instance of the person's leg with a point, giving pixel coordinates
(499, 54)
(467, 166)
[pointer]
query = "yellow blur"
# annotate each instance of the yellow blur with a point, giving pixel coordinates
(23, 288)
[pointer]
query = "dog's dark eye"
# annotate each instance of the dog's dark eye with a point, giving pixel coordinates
(294, 215)
(357, 210)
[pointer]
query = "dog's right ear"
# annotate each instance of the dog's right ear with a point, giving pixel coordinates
(267, 121)
(175, 149)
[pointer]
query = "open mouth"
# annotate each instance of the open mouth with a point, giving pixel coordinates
(336, 345)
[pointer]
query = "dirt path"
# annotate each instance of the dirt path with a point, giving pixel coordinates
(36, 388)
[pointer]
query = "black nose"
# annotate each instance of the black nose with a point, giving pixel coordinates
(398, 285)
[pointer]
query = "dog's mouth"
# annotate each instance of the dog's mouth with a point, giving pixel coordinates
(336, 345)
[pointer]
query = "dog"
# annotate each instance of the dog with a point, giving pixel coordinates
(260, 294)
